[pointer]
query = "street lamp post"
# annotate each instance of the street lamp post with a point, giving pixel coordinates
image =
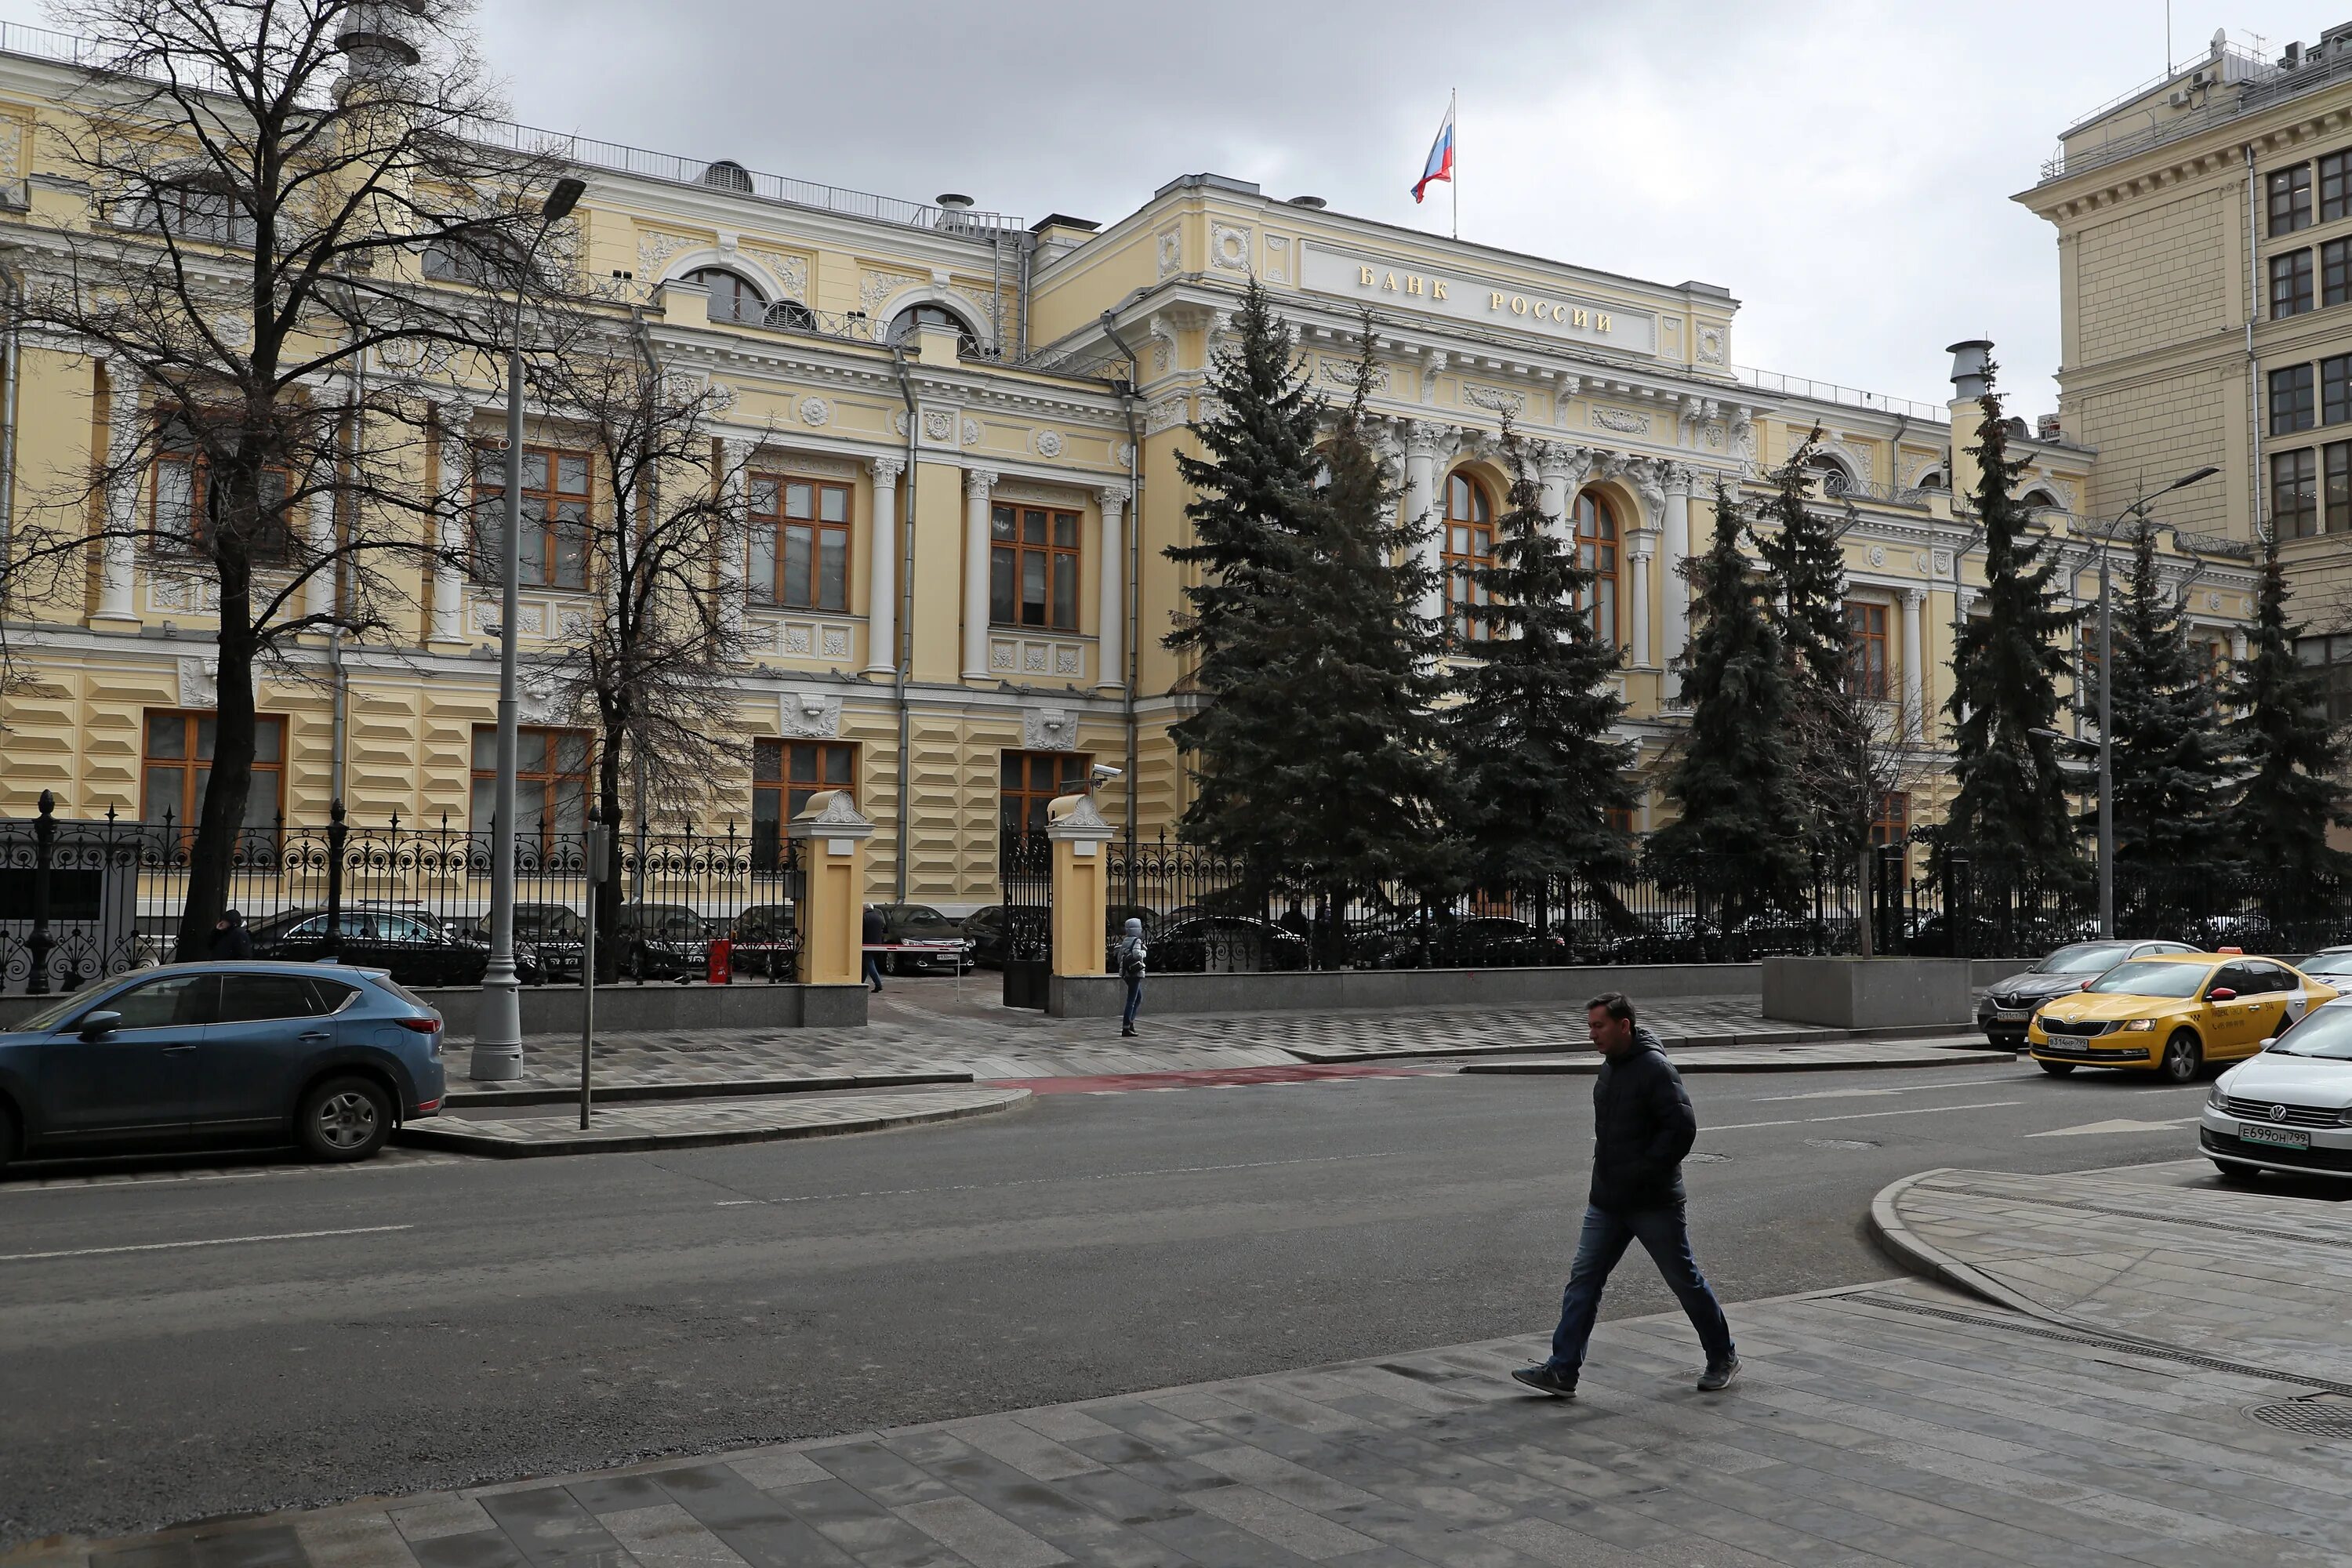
(497, 1026)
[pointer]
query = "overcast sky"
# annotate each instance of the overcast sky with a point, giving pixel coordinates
(1844, 166)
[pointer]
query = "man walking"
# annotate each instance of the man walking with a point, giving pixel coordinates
(877, 933)
(1642, 1126)
(1132, 961)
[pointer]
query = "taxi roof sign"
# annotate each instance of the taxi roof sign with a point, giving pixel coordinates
(2236, 950)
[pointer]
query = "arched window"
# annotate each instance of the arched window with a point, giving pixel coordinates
(1934, 479)
(1469, 546)
(1834, 474)
(733, 297)
(792, 314)
(925, 315)
(1596, 551)
(2039, 496)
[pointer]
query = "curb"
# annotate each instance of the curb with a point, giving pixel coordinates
(1790, 1037)
(1955, 1057)
(728, 1088)
(416, 1135)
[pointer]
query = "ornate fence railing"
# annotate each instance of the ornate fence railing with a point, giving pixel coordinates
(83, 900)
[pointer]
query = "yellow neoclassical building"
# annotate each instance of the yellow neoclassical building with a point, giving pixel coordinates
(960, 433)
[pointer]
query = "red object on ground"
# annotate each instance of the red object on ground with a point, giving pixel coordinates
(721, 971)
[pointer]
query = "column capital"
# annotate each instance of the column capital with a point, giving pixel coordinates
(1112, 496)
(887, 469)
(1913, 597)
(978, 483)
(1678, 478)
(1564, 461)
(1427, 437)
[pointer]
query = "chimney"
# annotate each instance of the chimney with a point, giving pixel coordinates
(1970, 360)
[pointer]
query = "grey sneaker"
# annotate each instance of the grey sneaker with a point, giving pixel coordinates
(1720, 1375)
(1544, 1379)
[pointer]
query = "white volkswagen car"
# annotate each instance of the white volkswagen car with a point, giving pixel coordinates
(2289, 1108)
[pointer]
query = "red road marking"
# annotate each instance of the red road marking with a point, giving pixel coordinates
(1205, 1077)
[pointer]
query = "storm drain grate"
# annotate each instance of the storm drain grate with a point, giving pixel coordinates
(2129, 1347)
(2320, 1417)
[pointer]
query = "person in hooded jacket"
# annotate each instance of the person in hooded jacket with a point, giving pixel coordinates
(230, 939)
(1131, 956)
(1642, 1125)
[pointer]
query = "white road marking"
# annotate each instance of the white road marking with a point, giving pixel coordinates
(1904, 1089)
(1862, 1115)
(1048, 1181)
(2115, 1126)
(212, 1241)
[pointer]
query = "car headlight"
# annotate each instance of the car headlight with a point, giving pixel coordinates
(2140, 1026)
(2219, 1099)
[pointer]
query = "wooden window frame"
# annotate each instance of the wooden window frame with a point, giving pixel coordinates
(745, 290)
(489, 489)
(776, 524)
(777, 788)
(2290, 280)
(1022, 806)
(1010, 551)
(2331, 655)
(1597, 552)
(269, 772)
(1867, 670)
(2294, 492)
(1467, 546)
(2293, 398)
(1890, 822)
(2289, 193)
(196, 539)
(548, 829)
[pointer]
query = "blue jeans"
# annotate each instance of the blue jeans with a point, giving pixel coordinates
(1663, 1233)
(1134, 1001)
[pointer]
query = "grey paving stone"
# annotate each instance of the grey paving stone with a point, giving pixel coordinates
(440, 1516)
(350, 1540)
(664, 1535)
(862, 1527)
(752, 1523)
(175, 1552)
(1293, 1529)
(873, 1469)
(776, 1467)
(475, 1549)
(551, 1529)
(981, 1536)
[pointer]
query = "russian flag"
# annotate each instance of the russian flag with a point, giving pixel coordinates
(1441, 157)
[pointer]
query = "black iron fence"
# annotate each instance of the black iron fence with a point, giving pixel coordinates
(83, 900)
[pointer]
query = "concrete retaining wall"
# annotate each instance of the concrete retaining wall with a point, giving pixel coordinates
(1345, 990)
(1868, 993)
(555, 1009)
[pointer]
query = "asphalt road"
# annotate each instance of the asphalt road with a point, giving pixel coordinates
(184, 1345)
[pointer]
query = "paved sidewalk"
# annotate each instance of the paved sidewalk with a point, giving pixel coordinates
(1829, 1056)
(1888, 1424)
(615, 1129)
(2250, 1277)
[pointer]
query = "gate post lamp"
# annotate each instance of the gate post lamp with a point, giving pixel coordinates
(497, 1026)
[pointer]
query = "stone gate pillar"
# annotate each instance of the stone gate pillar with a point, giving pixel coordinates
(832, 838)
(1081, 883)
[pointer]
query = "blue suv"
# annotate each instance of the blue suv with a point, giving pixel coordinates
(330, 1057)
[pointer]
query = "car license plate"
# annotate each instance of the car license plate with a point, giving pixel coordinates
(2012, 1015)
(2276, 1137)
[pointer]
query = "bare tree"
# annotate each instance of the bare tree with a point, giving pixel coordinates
(1856, 753)
(262, 177)
(652, 665)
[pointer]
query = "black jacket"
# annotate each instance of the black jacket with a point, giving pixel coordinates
(235, 941)
(877, 933)
(1642, 1125)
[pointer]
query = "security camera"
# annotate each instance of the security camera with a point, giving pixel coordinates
(1104, 773)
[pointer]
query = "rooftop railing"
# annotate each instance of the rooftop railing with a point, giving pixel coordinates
(1829, 392)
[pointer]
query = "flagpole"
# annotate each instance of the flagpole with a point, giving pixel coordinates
(1453, 118)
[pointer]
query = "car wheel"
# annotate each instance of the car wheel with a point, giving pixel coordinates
(343, 1119)
(2056, 1069)
(2183, 1058)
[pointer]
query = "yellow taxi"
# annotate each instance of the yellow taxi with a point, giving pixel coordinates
(2172, 1013)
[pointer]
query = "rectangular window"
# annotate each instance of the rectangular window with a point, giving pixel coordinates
(2336, 498)
(176, 764)
(2294, 493)
(2335, 186)
(552, 783)
(2290, 199)
(2332, 656)
(183, 523)
(1866, 650)
(1030, 782)
(2336, 272)
(2292, 407)
(2335, 390)
(2291, 283)
(1033, 567)
(1893, 823)
(799, 541)
(554, 516)
(784, 774)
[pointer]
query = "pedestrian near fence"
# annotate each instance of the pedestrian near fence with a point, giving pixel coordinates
(1642, 1125)
(877, 933)
(1131, 957)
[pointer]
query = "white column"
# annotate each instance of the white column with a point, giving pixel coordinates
(882, 570)
(2238, 646)
(1915, 666)
(1422, 440)
(319, 592)
(452, 546)
(1110, 636)
(118, 554)
(734, 479)
(1638, 549)
(1673, 591)
(977, 483)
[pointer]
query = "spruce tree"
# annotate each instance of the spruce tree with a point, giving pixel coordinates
(1809, 570)
(2169, 755)
(2010, 814)
(1535, 770)
(1737, 841)
(1254, 502)
(2278, 824)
